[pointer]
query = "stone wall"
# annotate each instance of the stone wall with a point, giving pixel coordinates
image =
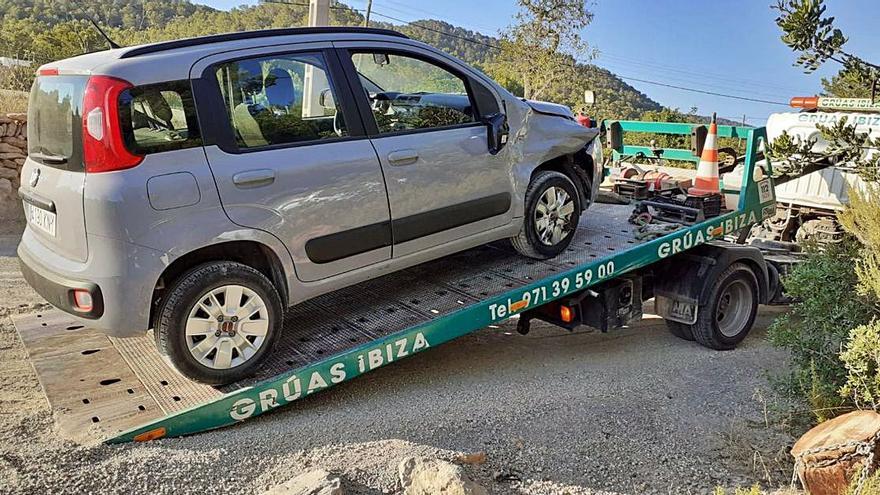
(13, 150)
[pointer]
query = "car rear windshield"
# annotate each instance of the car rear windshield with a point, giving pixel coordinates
(159, 117)
(55, 121)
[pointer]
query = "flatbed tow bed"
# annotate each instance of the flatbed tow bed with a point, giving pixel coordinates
(120, 390)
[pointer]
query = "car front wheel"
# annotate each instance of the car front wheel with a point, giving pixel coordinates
(552, 213)
(219, 322)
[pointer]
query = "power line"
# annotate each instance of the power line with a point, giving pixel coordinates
(426, 28)
(496, 47)
(630, 61)
(754, 89)
(690, 72)
(694, 90)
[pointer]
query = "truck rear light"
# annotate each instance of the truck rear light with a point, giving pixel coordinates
(103, 145)
(82, 301)
(566, 314)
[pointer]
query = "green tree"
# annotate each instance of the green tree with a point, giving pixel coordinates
(544, 44)
(808, 31)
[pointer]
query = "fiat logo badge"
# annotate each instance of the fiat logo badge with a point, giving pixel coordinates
(35, 177)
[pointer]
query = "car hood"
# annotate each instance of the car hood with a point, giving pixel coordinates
(548, 108)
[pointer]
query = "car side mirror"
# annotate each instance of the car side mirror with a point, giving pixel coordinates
(498, 130)
(325, 99)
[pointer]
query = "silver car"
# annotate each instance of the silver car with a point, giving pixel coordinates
(198, 187)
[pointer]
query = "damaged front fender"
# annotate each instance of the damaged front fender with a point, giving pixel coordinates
(540, 132)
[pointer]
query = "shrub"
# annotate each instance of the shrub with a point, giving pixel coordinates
(13, 101)
(862, 361)
(753, 490)
(860, 219)
(815, 330)
(871, 486)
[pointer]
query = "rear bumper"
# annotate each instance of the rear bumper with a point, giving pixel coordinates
(58, 291)
(120, 277)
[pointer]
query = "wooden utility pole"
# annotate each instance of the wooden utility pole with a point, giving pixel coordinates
(315, 80)
(319, 13)
(369, 9)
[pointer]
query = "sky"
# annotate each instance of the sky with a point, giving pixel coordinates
(721, 46)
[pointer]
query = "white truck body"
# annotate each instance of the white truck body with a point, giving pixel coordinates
(825, 189)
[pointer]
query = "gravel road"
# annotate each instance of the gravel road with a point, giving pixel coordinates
(633, 411)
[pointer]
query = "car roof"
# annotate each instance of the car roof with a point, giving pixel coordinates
(246, 35)
(171, 60)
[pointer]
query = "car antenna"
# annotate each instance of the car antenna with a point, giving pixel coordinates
(109, 41)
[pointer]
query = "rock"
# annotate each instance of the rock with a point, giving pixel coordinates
(8, 173)
(318, 482)
(473, 458)
(8, 164)
(12, 156)
(14, 141)
(432, 476)
(18, 117)
(830, 455)
(8, 148)
(5, 188)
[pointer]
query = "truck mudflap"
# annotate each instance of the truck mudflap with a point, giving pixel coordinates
(681, 285)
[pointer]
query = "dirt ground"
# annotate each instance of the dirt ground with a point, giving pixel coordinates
(632, 411)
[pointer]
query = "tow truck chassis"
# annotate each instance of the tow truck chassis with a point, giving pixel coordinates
(120, 390)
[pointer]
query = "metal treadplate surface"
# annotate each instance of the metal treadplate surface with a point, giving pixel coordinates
(99, 387)
(122, 383)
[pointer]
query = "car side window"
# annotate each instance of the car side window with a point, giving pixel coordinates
(159, 117)
(280, 99)
(408, 93)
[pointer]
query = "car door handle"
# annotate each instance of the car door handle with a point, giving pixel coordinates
(403, 157)
(254, 178)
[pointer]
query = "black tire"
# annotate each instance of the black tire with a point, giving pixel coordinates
(737, 282)
(188, 290)
(528, 242)
(680, 330)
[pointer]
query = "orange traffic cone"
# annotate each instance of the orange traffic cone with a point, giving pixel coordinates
(706, 181)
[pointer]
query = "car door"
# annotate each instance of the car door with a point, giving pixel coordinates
(290, 156)
(425, 124)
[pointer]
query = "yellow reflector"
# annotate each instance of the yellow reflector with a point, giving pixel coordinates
(150, 435)
(514, 307)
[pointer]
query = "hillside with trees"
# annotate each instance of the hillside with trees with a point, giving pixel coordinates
(44, 30)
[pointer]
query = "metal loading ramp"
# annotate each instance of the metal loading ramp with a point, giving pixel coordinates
(99, 386)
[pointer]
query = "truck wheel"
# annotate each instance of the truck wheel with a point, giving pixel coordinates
(219, 322)
(680, 330)
(552, 213)
(728, 316)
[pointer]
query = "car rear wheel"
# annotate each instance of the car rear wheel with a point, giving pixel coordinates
(219, 322)
(552, 213)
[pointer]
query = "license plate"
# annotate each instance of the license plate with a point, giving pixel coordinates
(40, 218)
(676, 310)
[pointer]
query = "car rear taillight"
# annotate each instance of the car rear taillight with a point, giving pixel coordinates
(103, 146)
(82, 301)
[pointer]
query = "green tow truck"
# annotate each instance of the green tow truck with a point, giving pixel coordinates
(707, 289)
